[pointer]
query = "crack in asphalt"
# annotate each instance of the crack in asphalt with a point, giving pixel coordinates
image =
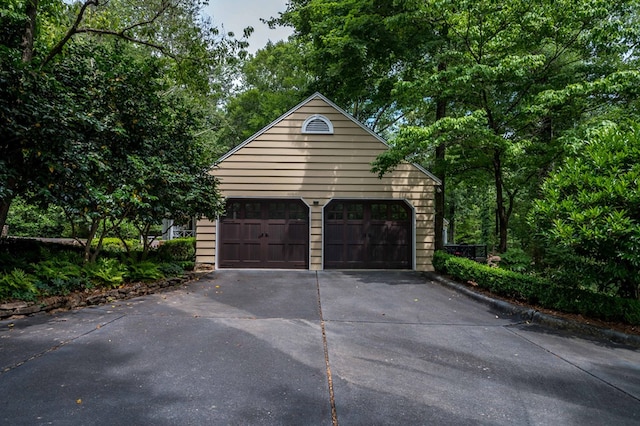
(334, 413)
(573, 364)
(58, 346)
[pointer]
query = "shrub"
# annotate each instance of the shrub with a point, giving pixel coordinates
(107, 271)
(187, 265)
(18, 253)
(589, 210)
(143, 271)
(115, 245)
(60, 287)
(179, 249)
(29, 220)
(516, 260)
(17, 284)
(171, 269)
(48, 270)
(537, 290)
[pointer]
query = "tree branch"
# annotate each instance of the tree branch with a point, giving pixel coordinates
(165, 5)
(120, 34)
(72, 30)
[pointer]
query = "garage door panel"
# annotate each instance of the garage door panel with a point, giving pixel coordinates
(231, 252)
(299, 231)
(276, 231)
(362, 234)
(251, 231)
(264, 234)
(333, 232)
(355, 253)
(232, 231)
(275, 252)
(354, 232)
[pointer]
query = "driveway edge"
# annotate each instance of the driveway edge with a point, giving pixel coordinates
(537, 317)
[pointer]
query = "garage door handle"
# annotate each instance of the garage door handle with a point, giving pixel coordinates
(263, 235)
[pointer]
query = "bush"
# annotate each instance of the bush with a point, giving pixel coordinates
(589, 211)
(106, 271)
(60, 287)
(115, 245)
(516, 260)
(143, 271)
(171, 269)
(180, 249)
(537, 290)
(28, 220)
(17, 284)
(49, 270)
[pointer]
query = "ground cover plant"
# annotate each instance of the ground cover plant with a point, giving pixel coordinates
(31, 269)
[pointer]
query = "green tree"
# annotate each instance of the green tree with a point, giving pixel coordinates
(353, 55)
(588, 216)
(272, 82)
(138, 159)
(41, 119)
(501, 69)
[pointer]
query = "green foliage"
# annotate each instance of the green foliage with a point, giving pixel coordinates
(516, 260)
(42, 269)
(60, 287)
(57, 269)
(143, 271)
(537, 290)
(274, 81)
(588, 216)
(492, 84)
(105, 130)
(171, 269)
(18, 284)
(116, 245)
(188, 265)
(105, 271)
(180, 249)
(29, 220)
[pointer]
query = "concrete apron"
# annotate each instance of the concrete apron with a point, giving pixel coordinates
(300, 347)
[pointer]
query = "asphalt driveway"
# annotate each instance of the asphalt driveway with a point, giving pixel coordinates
(307, 348)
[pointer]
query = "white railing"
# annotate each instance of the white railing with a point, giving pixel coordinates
(182, 233)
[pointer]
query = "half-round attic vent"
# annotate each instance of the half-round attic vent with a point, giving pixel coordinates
(317, 124)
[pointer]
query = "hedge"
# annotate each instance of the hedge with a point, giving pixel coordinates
(180, 249)
(537, 290)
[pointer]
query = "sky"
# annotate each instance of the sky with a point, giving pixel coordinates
(236, 15)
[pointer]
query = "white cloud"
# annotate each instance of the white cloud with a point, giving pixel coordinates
(236, 15)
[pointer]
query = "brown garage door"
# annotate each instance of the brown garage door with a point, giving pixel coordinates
(361, 234)
(264, 234)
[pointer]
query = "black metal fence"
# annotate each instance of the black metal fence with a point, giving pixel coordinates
(477, 252)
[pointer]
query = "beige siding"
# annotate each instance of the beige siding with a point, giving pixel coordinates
(282, 162)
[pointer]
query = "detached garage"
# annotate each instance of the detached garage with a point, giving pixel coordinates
(300, 195)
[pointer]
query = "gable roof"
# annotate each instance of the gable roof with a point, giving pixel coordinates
(318, 95)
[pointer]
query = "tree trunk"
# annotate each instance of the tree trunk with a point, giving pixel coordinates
(5, 203)
(95, 223)
(501, 213)
(31, 11)
(439, 199)
(441, 112)
(452, 221)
